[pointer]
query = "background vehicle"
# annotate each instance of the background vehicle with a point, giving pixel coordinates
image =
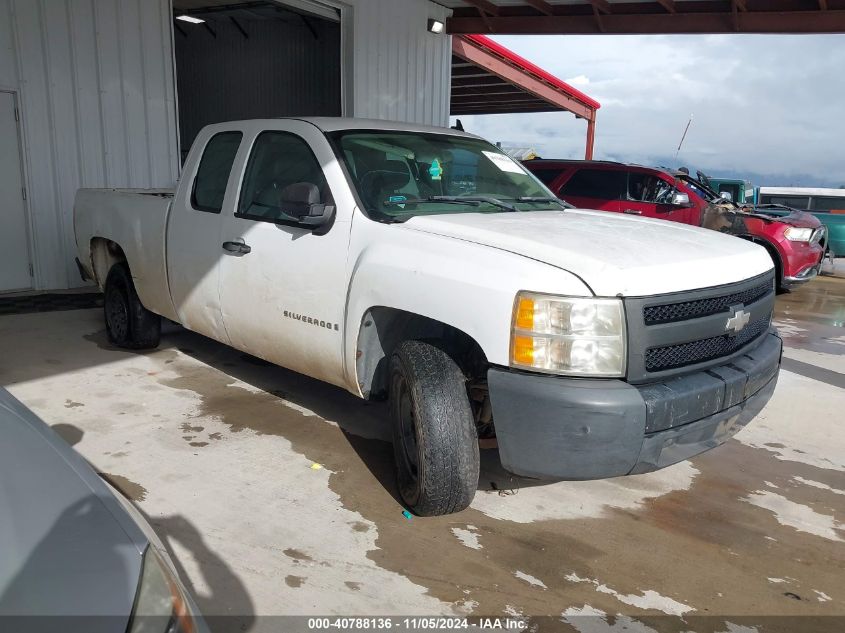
(740, 191)
(75, 556)
(794, 242)
(425, 265)
(828, 205)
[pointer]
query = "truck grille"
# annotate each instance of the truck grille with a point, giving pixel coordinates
(671, 335)
(670, 312)
(672, 356)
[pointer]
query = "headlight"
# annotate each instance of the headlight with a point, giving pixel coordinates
(795, 234)
(160, 606)
(574, 336)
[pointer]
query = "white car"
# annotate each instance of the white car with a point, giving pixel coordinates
(425, 265)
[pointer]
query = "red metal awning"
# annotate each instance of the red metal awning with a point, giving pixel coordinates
(645, 16)
(488, 78)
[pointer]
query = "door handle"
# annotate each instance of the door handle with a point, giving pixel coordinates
(236, 247)
(632, 212)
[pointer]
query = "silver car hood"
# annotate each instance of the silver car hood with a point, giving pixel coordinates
(67, 547)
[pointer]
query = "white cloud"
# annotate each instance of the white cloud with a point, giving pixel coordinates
(763, 104)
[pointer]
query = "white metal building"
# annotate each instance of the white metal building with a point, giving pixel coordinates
(93, 93)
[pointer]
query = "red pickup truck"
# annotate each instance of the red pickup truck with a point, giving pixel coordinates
(796, 242)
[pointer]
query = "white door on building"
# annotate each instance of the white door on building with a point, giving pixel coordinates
(14, 243)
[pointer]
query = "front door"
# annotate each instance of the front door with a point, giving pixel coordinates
(283, 291)
(14, 242)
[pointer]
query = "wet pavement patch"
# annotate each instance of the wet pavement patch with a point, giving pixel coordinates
(129, 489)
(294, 581)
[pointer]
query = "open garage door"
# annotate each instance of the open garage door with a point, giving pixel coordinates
(254, 60)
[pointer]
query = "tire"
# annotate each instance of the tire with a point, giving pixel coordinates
(128, 323)
(435, 443)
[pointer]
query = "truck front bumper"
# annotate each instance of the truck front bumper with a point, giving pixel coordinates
(551, 427)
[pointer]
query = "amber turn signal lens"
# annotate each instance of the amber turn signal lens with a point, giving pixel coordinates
(525, 314)
(523, 350)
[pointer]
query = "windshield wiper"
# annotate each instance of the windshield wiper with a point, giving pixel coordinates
(441, 199)
(562, 203)
(476, 199)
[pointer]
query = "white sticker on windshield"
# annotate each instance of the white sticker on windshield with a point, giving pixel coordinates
(504, 163)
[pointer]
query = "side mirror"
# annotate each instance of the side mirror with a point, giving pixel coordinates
(301, 200)
(680, 199)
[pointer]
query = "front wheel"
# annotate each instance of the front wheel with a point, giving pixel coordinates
(435, 443)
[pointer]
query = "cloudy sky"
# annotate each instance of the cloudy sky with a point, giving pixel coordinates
(768, 108)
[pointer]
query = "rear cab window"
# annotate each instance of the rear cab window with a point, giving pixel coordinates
(603, 184)
(212, 177)
(547, 175)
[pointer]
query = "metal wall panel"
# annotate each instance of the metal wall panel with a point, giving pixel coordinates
(400, 71)
(95, 81)
(8, 67)
(98, 99)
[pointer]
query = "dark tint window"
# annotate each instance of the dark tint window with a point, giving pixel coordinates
(213, 173)
(648, 188)
(605, 184)
(826, 203)
(278, 161)
(546, 176)
(796, 202)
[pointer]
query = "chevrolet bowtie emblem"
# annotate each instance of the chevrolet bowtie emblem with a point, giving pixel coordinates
(738, 321)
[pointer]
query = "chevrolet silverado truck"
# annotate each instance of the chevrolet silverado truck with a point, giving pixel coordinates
(425, 266)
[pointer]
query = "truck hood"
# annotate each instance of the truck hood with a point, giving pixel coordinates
(613, 254)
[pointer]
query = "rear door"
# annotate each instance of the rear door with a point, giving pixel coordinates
(284, 295)
(194, 230)
(594, 188)
(650, 195)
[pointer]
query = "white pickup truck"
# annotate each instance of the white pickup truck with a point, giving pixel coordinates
(425, 265)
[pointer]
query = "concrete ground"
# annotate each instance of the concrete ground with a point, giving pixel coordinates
(275, 493)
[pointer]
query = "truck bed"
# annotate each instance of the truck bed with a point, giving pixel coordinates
(137, 220)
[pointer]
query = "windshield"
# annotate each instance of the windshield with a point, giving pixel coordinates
(703, 191)
(399, 175)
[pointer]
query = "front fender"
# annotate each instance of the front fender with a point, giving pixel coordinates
(467, 286)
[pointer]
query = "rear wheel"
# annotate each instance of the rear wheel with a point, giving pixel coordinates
(128, 323)
(434, 438)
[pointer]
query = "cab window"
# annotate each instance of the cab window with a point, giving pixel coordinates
(828, 203)
(280, 165)
(604, 184)
(213, 173)
(546, 175)
(796, 202)
(644, 187)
